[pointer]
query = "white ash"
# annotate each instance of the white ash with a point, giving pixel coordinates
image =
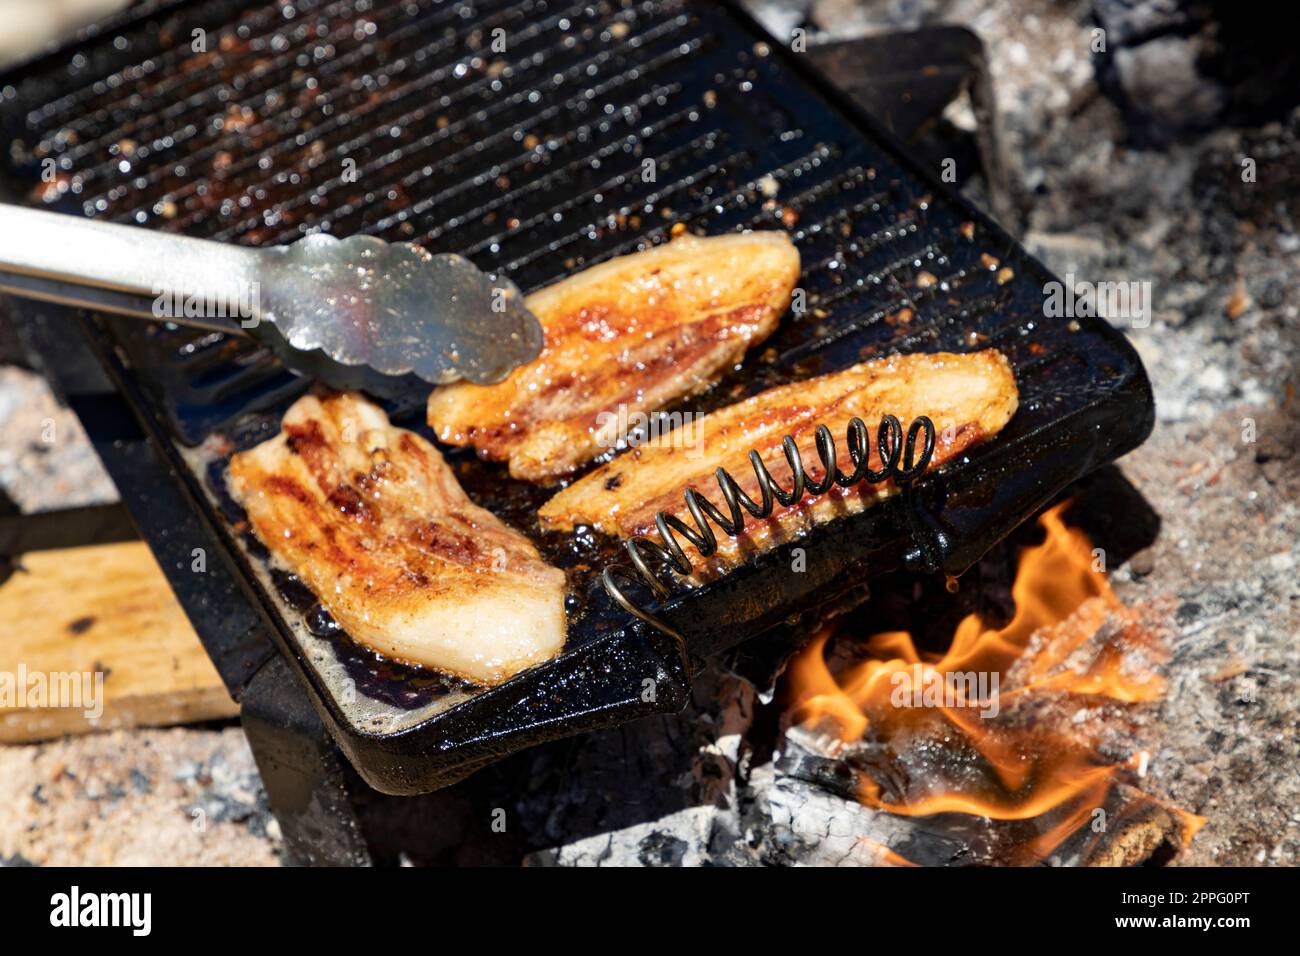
(46, 461)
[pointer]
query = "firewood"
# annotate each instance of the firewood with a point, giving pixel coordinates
(74, 613)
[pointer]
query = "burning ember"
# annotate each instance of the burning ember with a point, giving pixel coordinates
(1014, 726)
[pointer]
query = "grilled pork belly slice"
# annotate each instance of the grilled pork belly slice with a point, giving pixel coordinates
(375, 523)
(968, 397)
(621, 338)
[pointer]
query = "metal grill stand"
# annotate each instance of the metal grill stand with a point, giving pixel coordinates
(304, 772)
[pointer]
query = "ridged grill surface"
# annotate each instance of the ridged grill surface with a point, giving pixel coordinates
(399, 119)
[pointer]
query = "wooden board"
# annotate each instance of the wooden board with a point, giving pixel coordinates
(105, 609)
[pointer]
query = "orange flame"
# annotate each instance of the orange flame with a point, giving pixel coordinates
(1062, 640)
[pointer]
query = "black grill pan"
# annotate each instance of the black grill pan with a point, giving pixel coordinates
(530, 160)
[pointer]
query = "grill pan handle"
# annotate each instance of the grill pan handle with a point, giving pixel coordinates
(124, 269)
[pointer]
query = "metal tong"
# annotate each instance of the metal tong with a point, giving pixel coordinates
(357, 313)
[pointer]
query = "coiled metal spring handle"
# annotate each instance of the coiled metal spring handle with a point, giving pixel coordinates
(899, 461)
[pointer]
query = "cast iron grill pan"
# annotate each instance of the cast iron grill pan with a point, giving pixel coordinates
(531, 161)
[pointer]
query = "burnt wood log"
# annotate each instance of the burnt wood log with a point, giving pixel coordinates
(800, 807)
(814, 797)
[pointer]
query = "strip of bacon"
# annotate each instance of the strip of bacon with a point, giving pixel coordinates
(968, 397)
(375, 523)
(622, 338)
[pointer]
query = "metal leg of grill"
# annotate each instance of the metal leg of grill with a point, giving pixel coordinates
(303, 771)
